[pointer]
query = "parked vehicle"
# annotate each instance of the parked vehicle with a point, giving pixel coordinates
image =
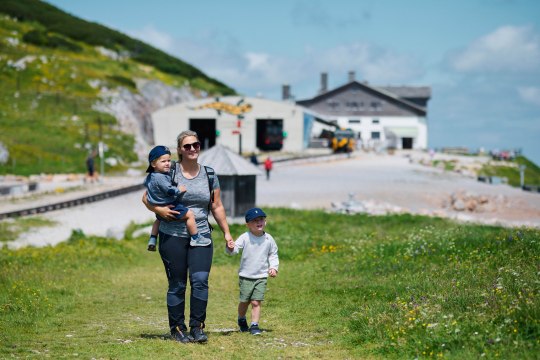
(343, 140)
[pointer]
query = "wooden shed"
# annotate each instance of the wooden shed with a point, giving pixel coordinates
(237, 178)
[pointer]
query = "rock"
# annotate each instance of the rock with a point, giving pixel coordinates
(459, 205)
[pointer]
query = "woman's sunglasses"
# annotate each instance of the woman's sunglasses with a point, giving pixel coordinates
(195, 146)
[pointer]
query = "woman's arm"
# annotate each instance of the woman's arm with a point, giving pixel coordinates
(218, 210)
(164, 211)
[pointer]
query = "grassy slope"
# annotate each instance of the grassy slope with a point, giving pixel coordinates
(510, 171)
(348, 287)
(58, 21)
(46, 110)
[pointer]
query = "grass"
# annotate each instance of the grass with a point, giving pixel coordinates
(48, 107)
(11, 228)
(349, 287)
(510, 170)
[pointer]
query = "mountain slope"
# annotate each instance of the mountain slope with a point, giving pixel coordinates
(59, 97)
(58, 21)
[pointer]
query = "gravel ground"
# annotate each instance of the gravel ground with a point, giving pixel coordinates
(379, 183)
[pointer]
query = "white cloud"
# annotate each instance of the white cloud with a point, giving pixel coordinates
(508, 48)
(154, 37)
(221, 56)
(530, 94)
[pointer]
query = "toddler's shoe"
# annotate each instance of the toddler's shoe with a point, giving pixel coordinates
(152, 244)
(200, 241)
(243, 325)
(254, 330)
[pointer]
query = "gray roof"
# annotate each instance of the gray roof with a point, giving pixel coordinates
(226, 162)
(408, 91)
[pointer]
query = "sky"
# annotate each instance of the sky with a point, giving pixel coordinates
(481, 58)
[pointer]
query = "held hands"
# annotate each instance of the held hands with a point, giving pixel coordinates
(272, 272)
(230, 244)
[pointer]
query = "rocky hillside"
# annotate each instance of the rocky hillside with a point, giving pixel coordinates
(66, 85)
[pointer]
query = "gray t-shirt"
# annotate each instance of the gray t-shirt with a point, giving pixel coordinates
(159, 189)
(196, 198)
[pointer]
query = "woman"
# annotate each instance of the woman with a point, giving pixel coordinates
(179, 258)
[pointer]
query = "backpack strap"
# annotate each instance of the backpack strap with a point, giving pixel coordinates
(172, 173)
(210, 175)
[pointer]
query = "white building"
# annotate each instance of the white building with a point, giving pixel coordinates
(390, 116)
(253, 124)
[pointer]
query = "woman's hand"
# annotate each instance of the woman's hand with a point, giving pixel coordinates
(165, 212)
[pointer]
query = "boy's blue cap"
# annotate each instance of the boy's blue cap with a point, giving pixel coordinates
(254, 213)
(156, 153)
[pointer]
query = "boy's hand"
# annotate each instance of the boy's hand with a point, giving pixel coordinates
(272, 272)
(182, 188)
(230, 244)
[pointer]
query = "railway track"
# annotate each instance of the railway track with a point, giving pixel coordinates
(71, 203)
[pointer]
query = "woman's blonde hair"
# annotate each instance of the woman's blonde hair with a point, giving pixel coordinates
(180, 138)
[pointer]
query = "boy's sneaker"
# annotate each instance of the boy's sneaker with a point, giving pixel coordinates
(254, 330)
(198, 334)
(180, 336)
(243, 325)
(200, 241)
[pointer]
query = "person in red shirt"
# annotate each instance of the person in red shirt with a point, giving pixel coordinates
(268, 167)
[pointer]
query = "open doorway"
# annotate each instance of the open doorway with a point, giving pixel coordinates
(269, 134)
(407, 143)
(206, 129)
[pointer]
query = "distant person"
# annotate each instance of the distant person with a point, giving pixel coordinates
(90, 171)
(259, 259)
(253, 159)
(180, 259)
(160, 191)
(268, 164)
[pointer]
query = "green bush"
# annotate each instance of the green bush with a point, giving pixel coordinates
(41, 38)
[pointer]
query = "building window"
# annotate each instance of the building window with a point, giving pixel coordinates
(375, 121)
(333, 104)
(354, 121)
(376, 106)
(375, 135)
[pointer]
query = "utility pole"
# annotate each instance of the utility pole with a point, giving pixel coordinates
(101, 150)
(522, 175)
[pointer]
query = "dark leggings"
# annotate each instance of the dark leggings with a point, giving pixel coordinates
(179, 258)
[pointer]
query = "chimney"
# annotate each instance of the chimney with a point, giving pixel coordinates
(286, 92)
(352, 76)
(324, 83)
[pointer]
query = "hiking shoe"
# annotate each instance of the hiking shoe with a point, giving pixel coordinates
(198, 334)
(200, 241)
(243, 325)
(180, 336)
(254, 330)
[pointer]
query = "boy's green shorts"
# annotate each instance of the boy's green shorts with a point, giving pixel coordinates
(252, 289)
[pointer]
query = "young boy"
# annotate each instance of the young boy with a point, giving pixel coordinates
(259, 259)
(160, 191)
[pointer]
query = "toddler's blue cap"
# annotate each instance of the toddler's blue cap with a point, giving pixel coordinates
(156, 153)
(254, 213)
